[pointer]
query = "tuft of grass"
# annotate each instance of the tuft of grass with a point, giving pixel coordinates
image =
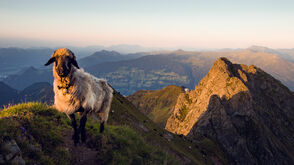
(37, 130)
(183, 113)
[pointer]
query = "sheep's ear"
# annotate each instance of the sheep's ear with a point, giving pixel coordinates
(50, 61)
(74, 62)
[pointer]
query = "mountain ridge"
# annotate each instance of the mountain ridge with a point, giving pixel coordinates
(106, 56)
(244, 109)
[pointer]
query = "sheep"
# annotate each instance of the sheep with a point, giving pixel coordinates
(78, 91)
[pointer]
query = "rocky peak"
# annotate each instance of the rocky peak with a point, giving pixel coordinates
(220, 80)
(248, 112)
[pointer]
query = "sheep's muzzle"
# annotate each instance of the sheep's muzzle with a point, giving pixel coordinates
(63, 66)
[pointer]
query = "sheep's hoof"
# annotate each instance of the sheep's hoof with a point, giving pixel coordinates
(101, 127)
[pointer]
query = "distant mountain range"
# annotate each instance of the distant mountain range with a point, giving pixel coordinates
(106, 56)
(28, 77)
(287, 54)
(12, 60)
(184, 68)
(155, 70)
(41, 92)
(147, 72)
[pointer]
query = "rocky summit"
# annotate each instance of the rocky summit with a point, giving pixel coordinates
(245, 110)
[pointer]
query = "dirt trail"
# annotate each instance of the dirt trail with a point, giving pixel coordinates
(81, 154)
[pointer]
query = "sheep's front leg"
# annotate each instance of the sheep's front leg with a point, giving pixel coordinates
(83, 121)
(75, 136)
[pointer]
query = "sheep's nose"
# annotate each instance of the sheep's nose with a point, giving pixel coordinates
(62, 68)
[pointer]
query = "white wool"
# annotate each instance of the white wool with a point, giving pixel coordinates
(86, 91)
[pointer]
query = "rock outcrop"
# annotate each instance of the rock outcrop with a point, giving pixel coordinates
(12, 154)
(245, 110)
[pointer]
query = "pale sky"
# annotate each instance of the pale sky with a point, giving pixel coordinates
(151, 23)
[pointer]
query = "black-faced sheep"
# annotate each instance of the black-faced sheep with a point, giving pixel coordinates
(78, 91)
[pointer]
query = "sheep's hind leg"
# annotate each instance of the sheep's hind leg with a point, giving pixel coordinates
(82, 129)
(104, 111)
(75, 136)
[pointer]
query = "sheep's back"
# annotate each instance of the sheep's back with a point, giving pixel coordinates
(93, 90)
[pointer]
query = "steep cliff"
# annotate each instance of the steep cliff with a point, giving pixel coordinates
(248, 112)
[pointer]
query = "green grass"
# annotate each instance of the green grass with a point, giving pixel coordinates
(183, 113)
(122, 145)
(37, 130)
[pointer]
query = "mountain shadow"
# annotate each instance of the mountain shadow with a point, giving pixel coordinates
(248, 133)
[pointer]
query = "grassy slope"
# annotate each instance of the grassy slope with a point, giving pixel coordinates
(39, 130)
(157, 105)
(125, 113)
(130, 137)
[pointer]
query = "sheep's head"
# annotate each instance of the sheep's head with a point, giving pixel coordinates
(64, 59)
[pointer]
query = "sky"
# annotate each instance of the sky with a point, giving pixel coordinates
(201, 24)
